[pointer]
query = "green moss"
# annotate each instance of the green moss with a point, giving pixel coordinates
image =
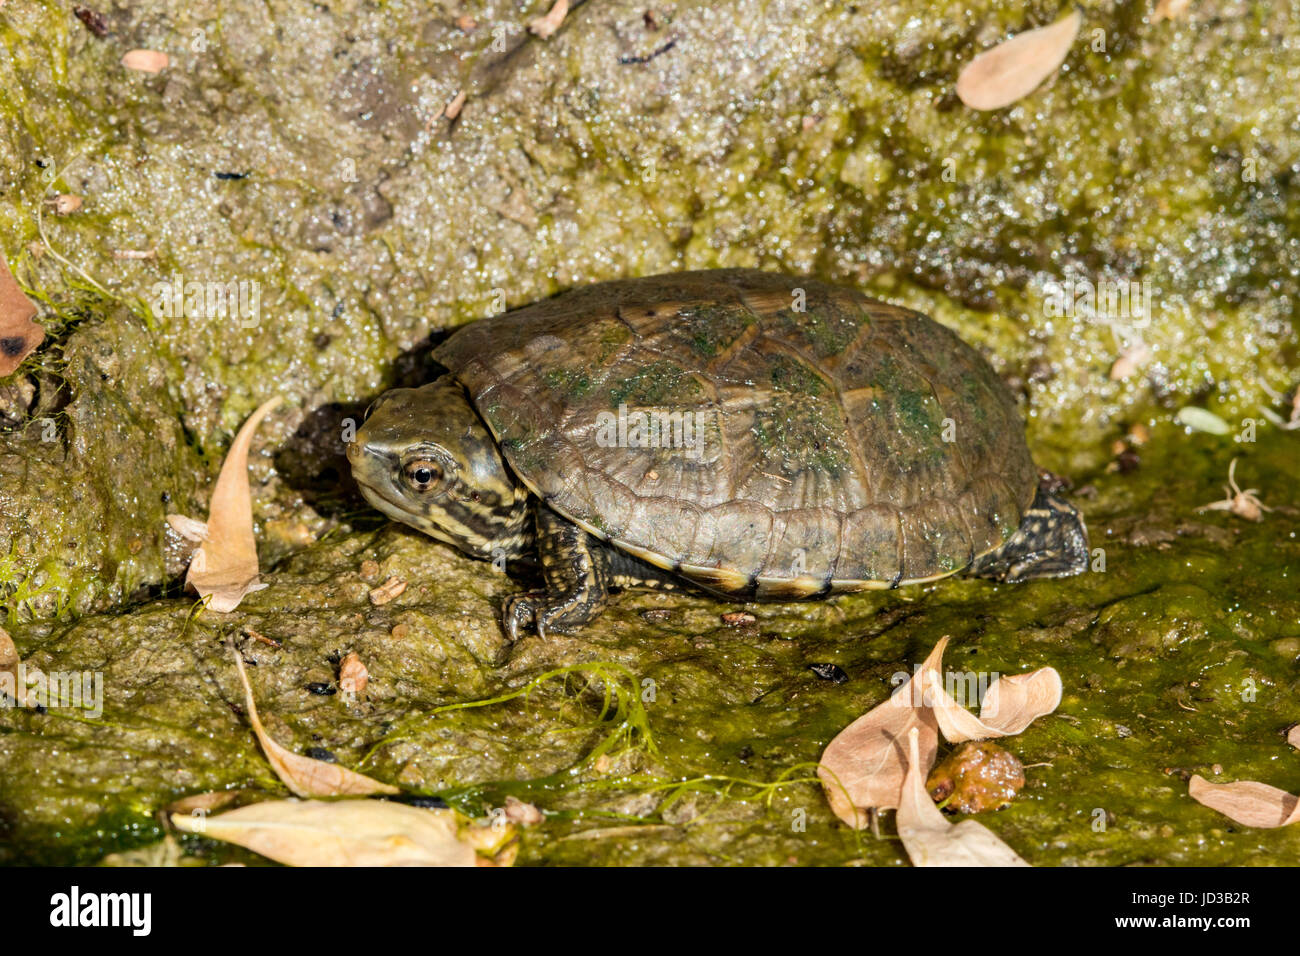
(658, 383)
(574, 384)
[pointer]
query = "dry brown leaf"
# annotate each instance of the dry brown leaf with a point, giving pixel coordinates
(1015, 68)
(1293, 738)
(340, 833)
(1247, 802)
(864, 766)
(19, 335)
(547, 25)
(191, 529)
(225, 565)
(303, 775)
(1010, 705)
(929, 839)
(146, 61)
(204, 802)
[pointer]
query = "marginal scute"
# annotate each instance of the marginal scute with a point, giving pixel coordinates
(838, 438)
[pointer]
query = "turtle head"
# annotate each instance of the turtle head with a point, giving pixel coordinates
(424, 457)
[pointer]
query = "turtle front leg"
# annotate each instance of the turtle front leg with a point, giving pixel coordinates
(575, 566)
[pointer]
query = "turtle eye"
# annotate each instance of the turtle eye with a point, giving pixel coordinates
(423, 474)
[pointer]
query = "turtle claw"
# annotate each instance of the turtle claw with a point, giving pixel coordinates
(521, 610)
(530, 609)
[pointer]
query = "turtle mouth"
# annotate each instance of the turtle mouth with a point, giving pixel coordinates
(396, 510)
(401, 512)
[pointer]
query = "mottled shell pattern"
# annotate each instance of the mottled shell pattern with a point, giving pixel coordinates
(838, 442)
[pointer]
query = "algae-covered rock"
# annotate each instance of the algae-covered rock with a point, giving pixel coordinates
(86, 480)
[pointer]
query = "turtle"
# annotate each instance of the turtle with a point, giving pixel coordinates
(759, 436)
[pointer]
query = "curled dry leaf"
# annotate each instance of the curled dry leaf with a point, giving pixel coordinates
(929, 839)
(1243, 504)
(1015, 68)
(547, 25)
(864, 766)
(190, 529)
(1247, 802)
(205, 802)
(146, 61)
(225, 565)
(340, 833)
(353, 675)
(19, 335)
(303, 775)
(1010, 705)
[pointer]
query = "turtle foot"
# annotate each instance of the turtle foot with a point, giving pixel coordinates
(1051, 542)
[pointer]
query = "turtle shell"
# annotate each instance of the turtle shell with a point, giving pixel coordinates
(835, 442)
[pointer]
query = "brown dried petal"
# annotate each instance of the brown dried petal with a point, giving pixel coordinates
(303, 775)
(146, 61)
(865, 764)
(930, 840)
(1015, 68)
(340, 833)
(225, 565)
(1249, 803)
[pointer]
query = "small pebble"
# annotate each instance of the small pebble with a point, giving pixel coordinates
(322, 688)
(387, 591)
(146, 61)
(353, 676)
(525, 814)
(65, 204)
